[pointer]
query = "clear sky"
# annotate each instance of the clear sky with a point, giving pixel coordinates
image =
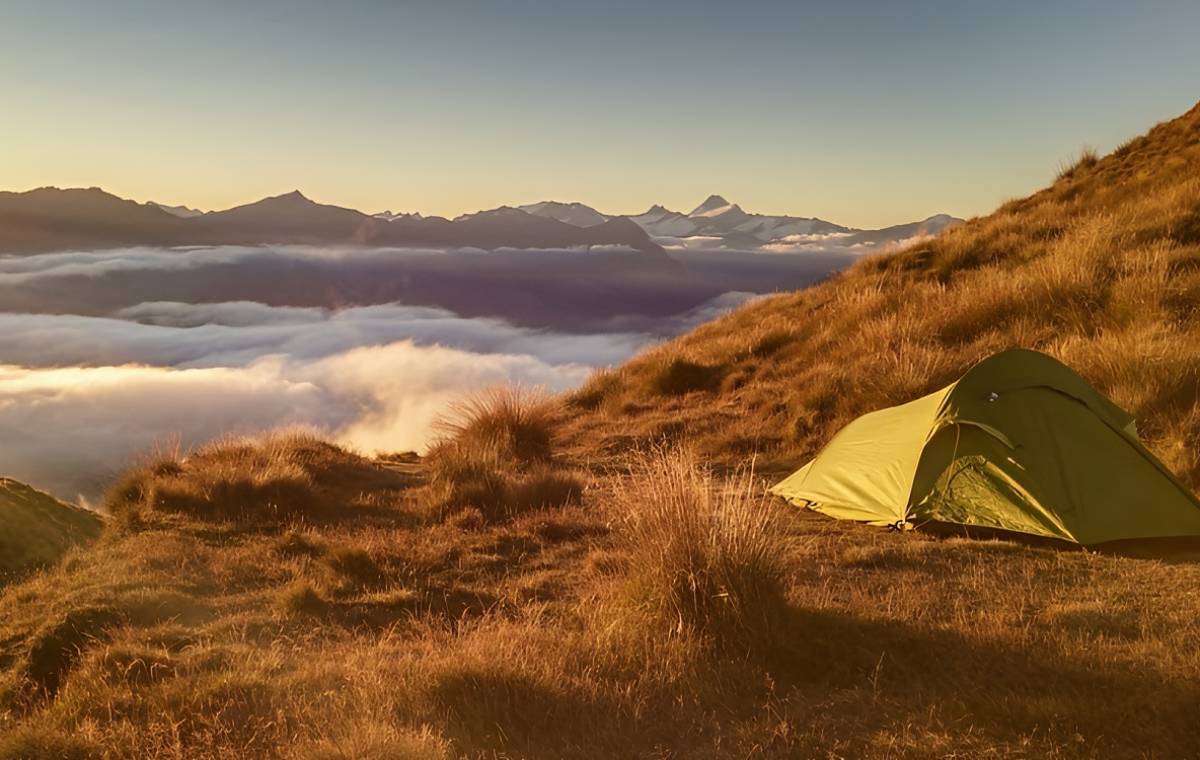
(864, 113)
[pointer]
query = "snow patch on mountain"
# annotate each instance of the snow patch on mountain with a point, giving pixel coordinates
(577, 214)
(183, 212)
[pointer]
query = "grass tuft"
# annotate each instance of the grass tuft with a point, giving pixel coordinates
(495, 457)
(678, 377)
(500, 492)
(1086, 159)
(771, 343)
(705, 554)
(301, 598)
(299, 543)
(355, 568)
(509, 422)
(58, 646)
(376, 741)
(600, 386)
(38, 743)
(544, 487)
(277, 478)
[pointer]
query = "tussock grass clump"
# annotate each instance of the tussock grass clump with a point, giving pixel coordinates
(1086, 159)
(131, 665)
(40, 743)
(677, 376)
(354, 568)
(600, 387)
(499, 489)
(705, 554)
(301, 598)
(299, 543)
(376, 741)
(496, 456)
(471, 469)
(59, 645)
(276, 477)
(545, 487)
(771, 343)
(509, 422)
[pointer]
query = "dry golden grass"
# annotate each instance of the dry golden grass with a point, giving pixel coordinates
(511, 423)
(36, 529)
(517, 640)
(42, 744)
(279, 478)
(705, 554)
(189, 636)
(1101, 270)
(386, 613)
(495, 455)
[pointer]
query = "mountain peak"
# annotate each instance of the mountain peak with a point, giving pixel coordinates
(712, 203)
(294, 200)
(573, 213)
(183, 212)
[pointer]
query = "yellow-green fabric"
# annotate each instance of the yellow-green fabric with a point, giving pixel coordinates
(1019, 443)
(870, 475)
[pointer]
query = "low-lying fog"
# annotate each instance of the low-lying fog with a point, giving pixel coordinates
(110, 355)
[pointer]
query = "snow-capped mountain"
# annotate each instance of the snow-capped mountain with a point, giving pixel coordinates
(715, 207)
(662, 222)
(50, 219)
(388, 216)
(718, 223)
(183, 212)
(577, 214)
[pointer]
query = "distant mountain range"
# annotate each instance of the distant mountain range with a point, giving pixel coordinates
(717, 223)
(52, 219)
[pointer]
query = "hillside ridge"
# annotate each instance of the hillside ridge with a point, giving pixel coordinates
(50, 219)
(36, 529)
(1101, 269)
(602, 575)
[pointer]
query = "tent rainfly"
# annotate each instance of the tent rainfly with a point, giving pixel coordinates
(1019, 443)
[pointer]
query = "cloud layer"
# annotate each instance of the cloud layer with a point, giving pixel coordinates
(105, 355)
(236, 334)
(80, 396)
(19, 270)
(72, 429)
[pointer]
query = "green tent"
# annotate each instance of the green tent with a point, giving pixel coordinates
(1020, 443)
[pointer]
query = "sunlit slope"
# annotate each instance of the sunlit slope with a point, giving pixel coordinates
(1101, 269)
(36, 529)
(510, 596)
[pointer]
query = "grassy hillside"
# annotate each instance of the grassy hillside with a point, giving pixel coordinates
(543, 585)
(1101, 270)
(36, 529)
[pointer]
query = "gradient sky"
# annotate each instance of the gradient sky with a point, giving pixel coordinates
(864, 113)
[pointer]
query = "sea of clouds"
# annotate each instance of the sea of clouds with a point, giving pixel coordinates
(83, 396)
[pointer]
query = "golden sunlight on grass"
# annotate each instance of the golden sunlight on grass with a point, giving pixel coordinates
(495, 456)
(705, 554)
(1100, 270)
(598, 576)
